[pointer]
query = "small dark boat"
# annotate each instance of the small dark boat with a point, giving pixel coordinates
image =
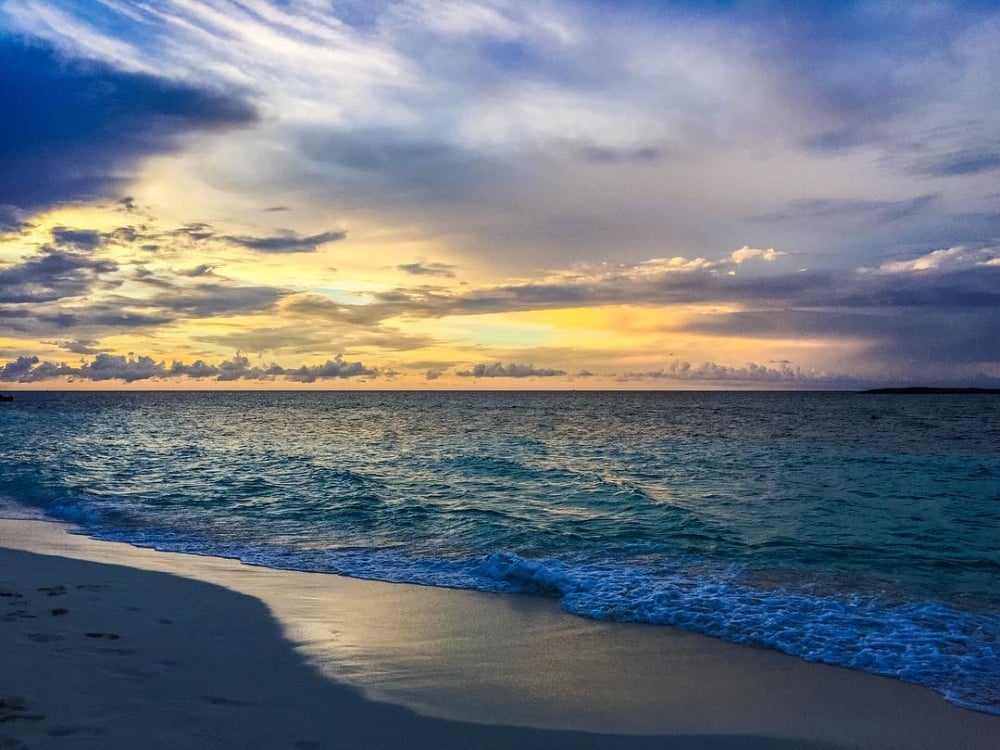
(6, 398)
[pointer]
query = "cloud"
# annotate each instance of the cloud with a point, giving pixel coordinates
(131, 368)
(77, 129)
(577, 128)
(519, 136)
(117, 367)
(286, 241)
(332, 368)
(197, 369)
(607, 155)
(752, 253)
(950, 258)
(79, 346)
(82, 239)
(748, 373)
(69, 286)
(18, 369)
(971, 161)
(51, 274)
(211, 299)
(499, 370)
(443, 270)
(840, 209)
(12, 218)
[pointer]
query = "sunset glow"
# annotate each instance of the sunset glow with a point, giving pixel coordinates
(492, 194)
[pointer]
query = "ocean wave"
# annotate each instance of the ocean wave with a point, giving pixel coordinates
(930, 643)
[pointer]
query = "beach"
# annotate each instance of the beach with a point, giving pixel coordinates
(111, 646)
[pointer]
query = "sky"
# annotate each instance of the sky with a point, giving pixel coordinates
(499, 194)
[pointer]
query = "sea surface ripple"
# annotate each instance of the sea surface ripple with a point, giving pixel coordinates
(850, 529)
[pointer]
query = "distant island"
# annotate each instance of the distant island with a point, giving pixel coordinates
(931, 390)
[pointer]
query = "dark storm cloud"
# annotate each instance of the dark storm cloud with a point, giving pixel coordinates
(286, 242)
(82, 239)
(65, 288)
(74, 130)
(443, 270)
(50, 275)
(46, 320)
(513, 370)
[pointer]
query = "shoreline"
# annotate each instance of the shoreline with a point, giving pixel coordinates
(402, 665)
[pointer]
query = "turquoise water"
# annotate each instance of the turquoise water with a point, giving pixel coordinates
(850, 529)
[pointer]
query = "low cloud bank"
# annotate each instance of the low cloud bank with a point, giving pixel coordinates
(513, 370)
(30, 369)
(751, 372)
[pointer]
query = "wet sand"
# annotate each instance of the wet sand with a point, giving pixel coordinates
(104, 645)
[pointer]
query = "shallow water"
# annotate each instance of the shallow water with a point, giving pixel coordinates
(851, 529)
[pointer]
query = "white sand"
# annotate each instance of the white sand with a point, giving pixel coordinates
(210, 653)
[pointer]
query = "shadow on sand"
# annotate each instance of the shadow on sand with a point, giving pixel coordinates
(143, 659)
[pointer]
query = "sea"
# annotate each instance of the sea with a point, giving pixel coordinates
(852, 529)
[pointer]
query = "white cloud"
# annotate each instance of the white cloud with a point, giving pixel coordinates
(746, 253)
(945, 258)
